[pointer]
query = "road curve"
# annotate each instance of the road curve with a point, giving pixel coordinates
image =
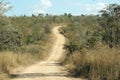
(50, 68)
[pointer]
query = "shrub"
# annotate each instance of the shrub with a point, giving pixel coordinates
(110, 25)
(71, 47)
(10, 39)
(94, 39)
(3, 22)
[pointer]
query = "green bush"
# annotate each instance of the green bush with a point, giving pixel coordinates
(94, 39)
(71, 47)
(4, 22)
(10, 39)
(110, 25)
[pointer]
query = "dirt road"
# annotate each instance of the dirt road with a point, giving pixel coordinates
(50, 68)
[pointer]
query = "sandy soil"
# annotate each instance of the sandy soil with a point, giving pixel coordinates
(50, 68)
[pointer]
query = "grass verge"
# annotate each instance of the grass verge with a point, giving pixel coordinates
(97, 64)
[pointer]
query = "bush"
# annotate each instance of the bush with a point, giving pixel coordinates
(10, 39)
(4, 22)
(110, 25)
(94, 39)
(71, 47)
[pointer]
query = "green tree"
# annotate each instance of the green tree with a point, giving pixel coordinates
(110, 21)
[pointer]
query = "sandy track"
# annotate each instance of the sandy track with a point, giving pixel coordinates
(50, 68)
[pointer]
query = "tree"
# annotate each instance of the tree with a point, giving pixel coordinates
(69, 15)
(65, 14)
(40, 14)
(4, 7)
(110, 21)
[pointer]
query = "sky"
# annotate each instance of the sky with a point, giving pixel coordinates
(57, 7)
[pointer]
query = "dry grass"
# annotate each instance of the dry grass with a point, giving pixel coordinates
(10, 60)
(3, 76)
(32, 53)
(97, 64)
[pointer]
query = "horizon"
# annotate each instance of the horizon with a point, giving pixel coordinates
(57, 7)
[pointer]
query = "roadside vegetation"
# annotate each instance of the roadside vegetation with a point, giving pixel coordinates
(25, 39)
(92, 42)
(93, 45)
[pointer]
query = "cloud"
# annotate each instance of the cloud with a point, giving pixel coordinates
(101, 5)
(42, 6)
(89, 7)
(72, 3)
(46, 4)
(94, 7)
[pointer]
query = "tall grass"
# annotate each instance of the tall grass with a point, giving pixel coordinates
(9, 60)
(97, 64)
(29, 55)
